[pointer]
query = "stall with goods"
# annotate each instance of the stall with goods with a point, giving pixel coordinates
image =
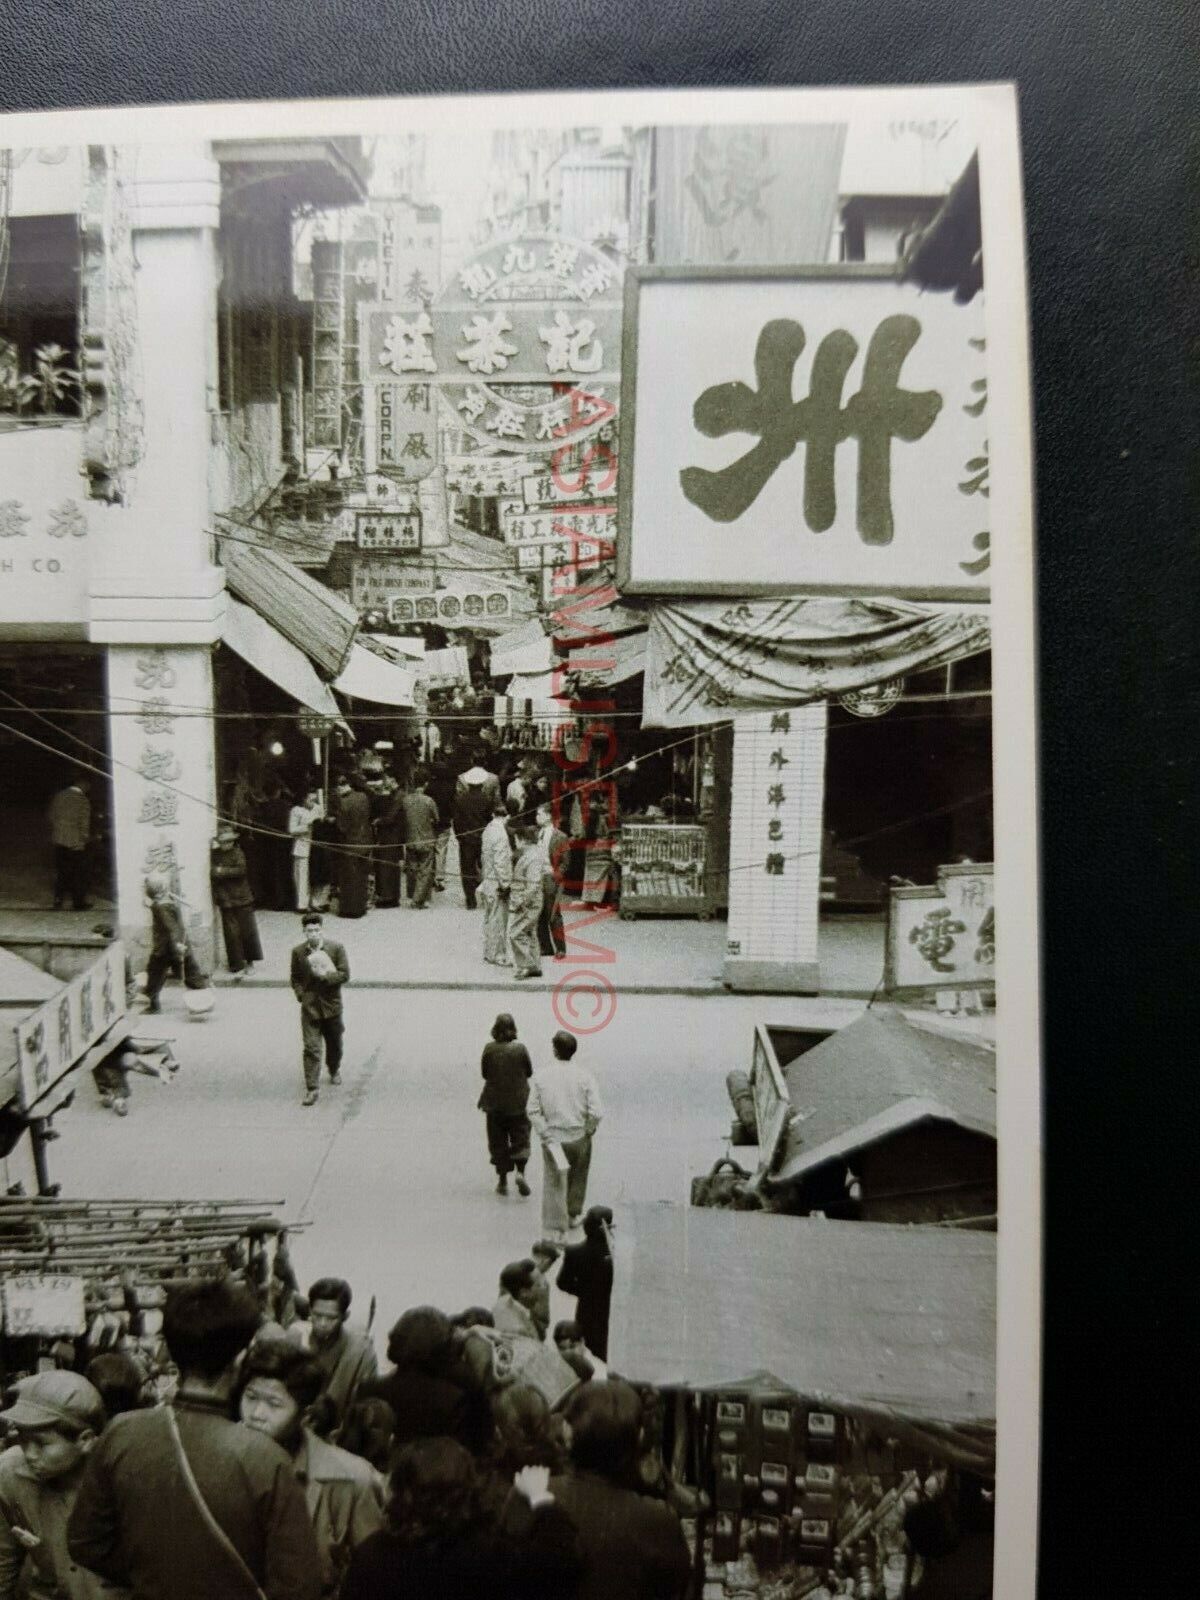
(827, 1394)
(82, 1277)
(663, 870)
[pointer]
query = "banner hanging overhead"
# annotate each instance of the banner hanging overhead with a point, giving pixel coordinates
(709, 660)
(826, 434)
(747, 193)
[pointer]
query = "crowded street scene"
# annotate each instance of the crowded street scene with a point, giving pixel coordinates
(498, 1065)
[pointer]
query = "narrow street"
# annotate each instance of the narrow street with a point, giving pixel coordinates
(390, 1170)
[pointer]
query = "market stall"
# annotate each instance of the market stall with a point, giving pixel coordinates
(80, 1277)
(819, 1380)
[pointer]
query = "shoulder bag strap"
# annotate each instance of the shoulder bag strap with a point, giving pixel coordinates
(214, 1527)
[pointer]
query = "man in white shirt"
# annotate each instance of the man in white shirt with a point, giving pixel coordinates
(564, 1110)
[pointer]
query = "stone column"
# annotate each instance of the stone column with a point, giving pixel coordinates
(435, 520)
(157, 599)
(775, 851)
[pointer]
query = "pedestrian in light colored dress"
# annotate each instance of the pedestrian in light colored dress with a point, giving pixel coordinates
(496, 866)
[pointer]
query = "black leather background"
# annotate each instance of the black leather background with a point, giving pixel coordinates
(1109, 120)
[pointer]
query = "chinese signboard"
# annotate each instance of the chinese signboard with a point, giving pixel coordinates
(590, 483)
(775, 847)
(486, 475)
(583, 527)
(52, 1039)
(826, 433)
(44, 1307)
(373, 583)
(388, 530)
(943, 936)
(457, 610)
(401, 437)
(523, 342)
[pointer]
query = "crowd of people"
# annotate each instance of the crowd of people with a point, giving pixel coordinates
(495, 1454)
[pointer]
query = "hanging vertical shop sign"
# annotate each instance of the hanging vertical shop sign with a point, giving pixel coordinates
(883, 386)
(523, 343)
(775, 850)
(400, 436)
(328, 355)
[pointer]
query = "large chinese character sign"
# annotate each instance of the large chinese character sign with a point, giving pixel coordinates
(811, 431)
(523, 343)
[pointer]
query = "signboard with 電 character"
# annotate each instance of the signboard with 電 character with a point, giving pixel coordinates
(943, 935)
(44, 1307)
(797, 430)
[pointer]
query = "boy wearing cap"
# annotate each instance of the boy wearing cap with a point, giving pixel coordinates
(57, 1417)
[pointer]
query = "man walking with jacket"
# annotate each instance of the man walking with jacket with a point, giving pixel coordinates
(319, 972)
(475, 794)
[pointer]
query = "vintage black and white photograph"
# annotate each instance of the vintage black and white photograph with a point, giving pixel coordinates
(601, 522)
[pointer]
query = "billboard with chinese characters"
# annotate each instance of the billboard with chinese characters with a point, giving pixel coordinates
(400, 436)
(943, 935)
(388, 530)
(374, 581)
(456, 610)
(52, 1039)
(523, 343)
(818, 429)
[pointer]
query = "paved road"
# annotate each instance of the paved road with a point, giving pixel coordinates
(391, 1169)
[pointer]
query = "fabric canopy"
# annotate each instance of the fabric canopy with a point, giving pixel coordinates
(527, 649)
(268, 652)
(709, 659)
(369, 675)
(863, 1314)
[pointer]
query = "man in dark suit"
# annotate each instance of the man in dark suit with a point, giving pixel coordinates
(319, 970)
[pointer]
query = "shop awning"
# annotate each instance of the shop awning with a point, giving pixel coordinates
(901, 1319)
(305, 612)
(267, 651)
(522, 650)
(370, 675)
(605, 662)
(708, 660)
(444, 669)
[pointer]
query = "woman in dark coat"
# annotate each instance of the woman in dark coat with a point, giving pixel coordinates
(389, 841)
(507, 1070)
(632, 1546)
(443, 1541)
(232, 896)
(353, 814)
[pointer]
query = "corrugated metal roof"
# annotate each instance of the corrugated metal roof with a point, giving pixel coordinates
(896, 1317)
(878, 1075)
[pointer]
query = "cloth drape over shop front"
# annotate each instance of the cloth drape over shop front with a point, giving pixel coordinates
(900, 1320)
(370, 675)
(268, 652)
(707, 660)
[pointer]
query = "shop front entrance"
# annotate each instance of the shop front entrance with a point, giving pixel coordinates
(53, 733)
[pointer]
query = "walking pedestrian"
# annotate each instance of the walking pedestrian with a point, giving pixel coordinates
(495, 886)
(301, 819)
(507, 1070)
(475, 794)
(565, 1111)
(420, 831)
(525, 904)
(345, 1497)
(70, 818)
(554, 846)
(56, 1419)
(232, 897)
(169, 945)
(587, 1273)
(320, 970)
(353, 816)
(180, 1500)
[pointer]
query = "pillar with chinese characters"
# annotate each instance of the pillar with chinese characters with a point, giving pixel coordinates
(157, 599)
(775, 851)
